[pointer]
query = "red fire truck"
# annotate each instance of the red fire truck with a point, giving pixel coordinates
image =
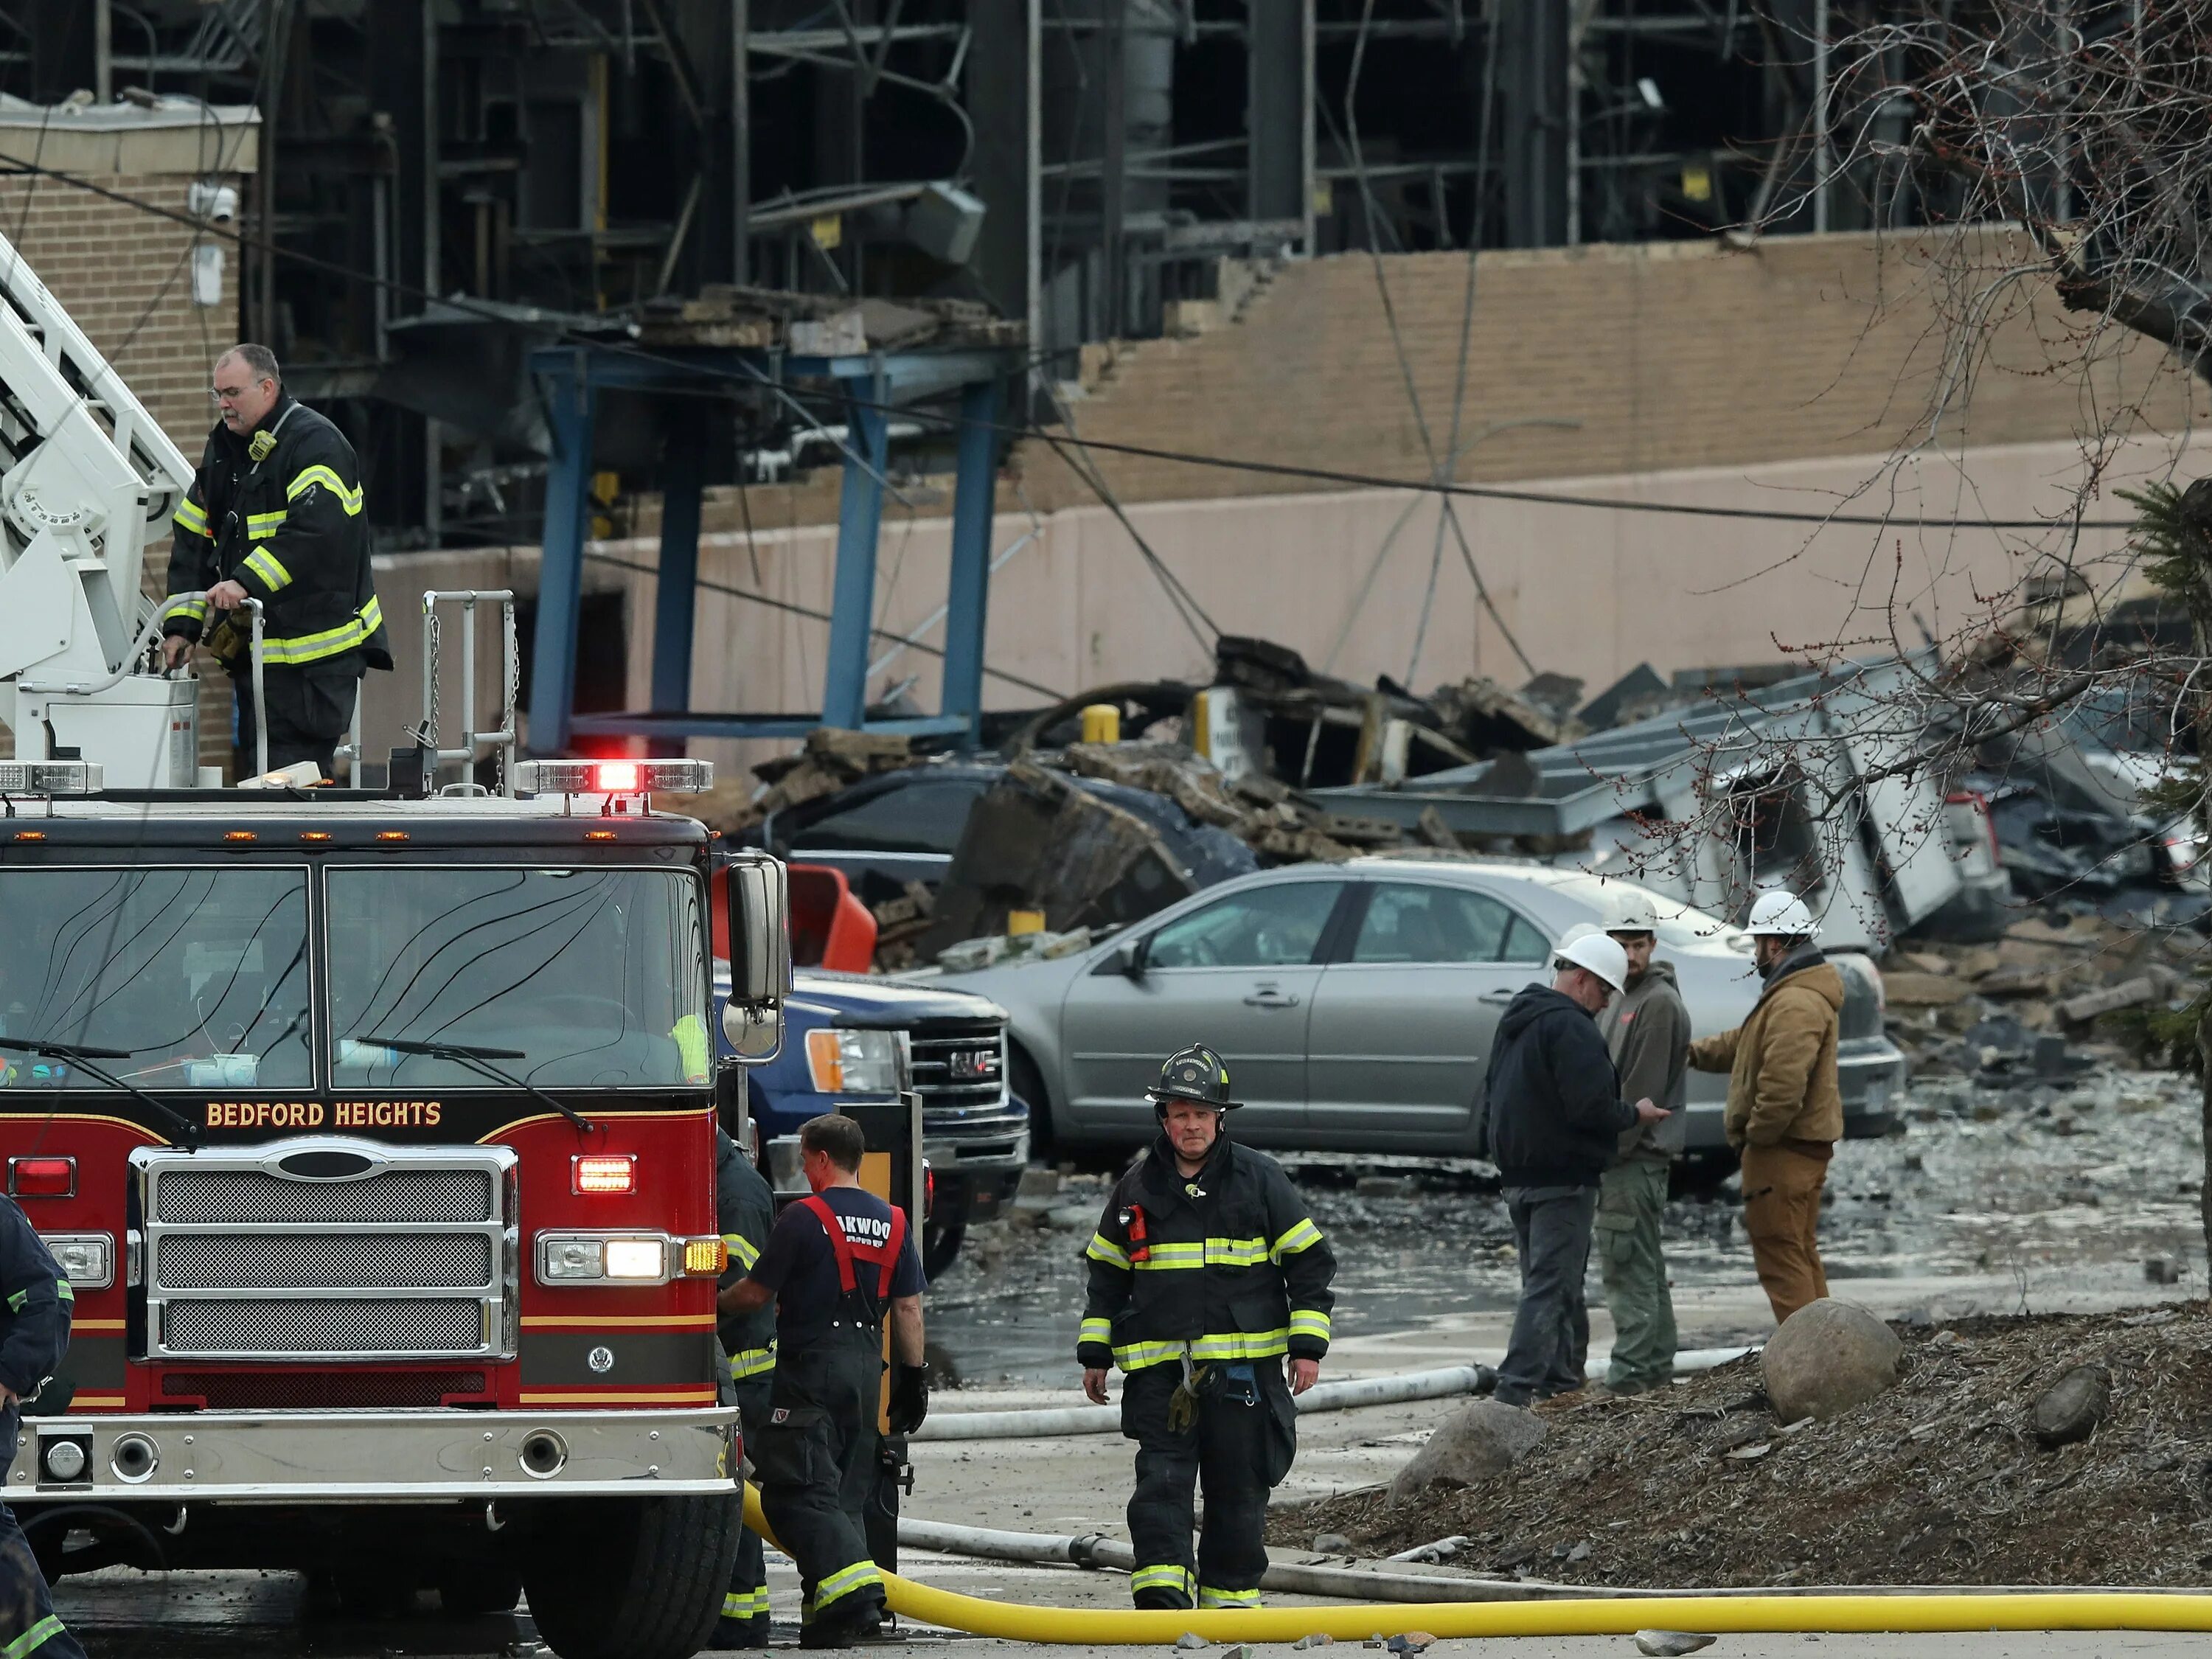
(375, 1136)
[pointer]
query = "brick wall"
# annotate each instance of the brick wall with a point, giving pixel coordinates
(1680, 354)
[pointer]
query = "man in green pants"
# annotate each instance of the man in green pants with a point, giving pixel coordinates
(1647, 1031)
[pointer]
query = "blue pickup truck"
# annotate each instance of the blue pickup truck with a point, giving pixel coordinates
(842, 1036)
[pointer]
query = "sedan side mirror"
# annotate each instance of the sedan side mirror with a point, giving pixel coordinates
(1130, 958)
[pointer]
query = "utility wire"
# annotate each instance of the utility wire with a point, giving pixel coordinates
(745, 375)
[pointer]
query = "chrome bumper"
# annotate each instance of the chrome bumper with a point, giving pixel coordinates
(348, 1457)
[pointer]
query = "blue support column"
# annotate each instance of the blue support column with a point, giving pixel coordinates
(571, 405)
(677, 591)
(859, 519)
(968, 599)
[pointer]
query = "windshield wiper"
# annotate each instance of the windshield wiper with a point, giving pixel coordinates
(84, 1055)
(479, 1060)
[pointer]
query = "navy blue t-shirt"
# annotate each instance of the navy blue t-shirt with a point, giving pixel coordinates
(800, 1267)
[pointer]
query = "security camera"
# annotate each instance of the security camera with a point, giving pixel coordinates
(216, 203)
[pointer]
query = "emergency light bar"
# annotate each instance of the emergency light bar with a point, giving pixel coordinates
(74, 777)
(612, 777)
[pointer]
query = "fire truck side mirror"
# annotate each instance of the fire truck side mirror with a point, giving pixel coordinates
(760, 956)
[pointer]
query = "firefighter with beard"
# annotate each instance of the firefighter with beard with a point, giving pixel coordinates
(1209, 1286)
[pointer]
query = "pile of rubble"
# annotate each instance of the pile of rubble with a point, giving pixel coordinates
(1952, 1475)
(2032, 1006)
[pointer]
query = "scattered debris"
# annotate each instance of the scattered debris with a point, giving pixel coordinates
(1442, 1550)
(1331, 1543)
(1318, 1639)
(2161, 1270)
(2071, 1407)
(1189, 1642)
(1670, 1644)
(1411, 1641)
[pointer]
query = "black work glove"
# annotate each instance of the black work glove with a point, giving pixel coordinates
(909, 1398)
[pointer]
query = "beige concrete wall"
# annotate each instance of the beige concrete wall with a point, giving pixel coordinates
(1586, 592)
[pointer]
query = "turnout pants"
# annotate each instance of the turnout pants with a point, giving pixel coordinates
(1236, 1451)
(1551, 1327)
(817, 1459)
(1631, 1200)
(745, 1606)
(310, 710)
(1781, 1217)
(29, 1624)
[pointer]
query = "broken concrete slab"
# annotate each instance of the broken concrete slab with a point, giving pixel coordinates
(2128, 993)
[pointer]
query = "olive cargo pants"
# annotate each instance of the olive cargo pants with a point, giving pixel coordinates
(1631, 1199)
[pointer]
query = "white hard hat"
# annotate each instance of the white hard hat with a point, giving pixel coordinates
(1781, 914)
(1632, 911)
(1580, 930)
(1597, 954)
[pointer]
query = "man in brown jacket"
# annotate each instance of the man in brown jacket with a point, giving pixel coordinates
(1785, 1109)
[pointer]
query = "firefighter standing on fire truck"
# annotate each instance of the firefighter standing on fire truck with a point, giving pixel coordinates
(1208, 1282)
(745, 1209)
(837, 1264)
(35, 1329)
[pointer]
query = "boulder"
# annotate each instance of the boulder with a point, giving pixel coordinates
(1482, 1438)
(1829, 1356)
(2071, 1407)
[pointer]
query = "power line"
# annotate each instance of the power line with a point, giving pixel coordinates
(747, 375)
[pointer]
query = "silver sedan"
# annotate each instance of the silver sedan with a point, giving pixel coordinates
(1356, 1005)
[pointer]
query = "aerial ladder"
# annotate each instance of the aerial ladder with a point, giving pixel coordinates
(88, 479)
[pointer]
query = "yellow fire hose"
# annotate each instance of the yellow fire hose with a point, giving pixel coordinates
(1713, 1614)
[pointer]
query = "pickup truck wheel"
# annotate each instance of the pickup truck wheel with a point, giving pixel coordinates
(1027, 1082)
(632, 1578)
(941, 1248)
(473, 1589)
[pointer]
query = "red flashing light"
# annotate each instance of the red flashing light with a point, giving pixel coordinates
(589, 1174)
(617, 777)
(42, 1177)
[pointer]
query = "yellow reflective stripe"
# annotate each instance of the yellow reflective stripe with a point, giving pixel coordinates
(1305, 1322)
(1174, 1578)
(845, 1581)
(195, 609)
(260, 526)
(191, 518)
(348, 499)
(1206, 1252)
(751, 1362)
(1240, 1344)
(1209, 1597)
(1303, 1237)
(1103, 1248)
(270, 569)
(1136, 1356)
(745, 1604)
(312, 648)
(67, 1290)
(36, 1636)
(742, 1250)
(1096, 1329)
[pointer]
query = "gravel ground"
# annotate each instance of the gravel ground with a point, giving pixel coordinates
(1937, 1480)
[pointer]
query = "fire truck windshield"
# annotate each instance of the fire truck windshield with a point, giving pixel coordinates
(198, 975)
(593, 978)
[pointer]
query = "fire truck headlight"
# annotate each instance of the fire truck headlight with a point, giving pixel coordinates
(636, 1258)
(564, 1260)
(87, 1260)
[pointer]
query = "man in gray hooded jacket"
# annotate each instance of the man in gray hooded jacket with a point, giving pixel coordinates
(1647, 1032)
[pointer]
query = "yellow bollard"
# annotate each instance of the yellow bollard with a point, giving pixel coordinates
(1102, 723)
(1024, 921)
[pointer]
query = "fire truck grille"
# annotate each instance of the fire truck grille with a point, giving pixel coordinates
(325, 1327)
(214, 1197)
(205, 1262)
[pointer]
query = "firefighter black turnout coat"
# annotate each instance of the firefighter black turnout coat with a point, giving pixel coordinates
(1225, 1266)
(35, 1304)
(279, 511)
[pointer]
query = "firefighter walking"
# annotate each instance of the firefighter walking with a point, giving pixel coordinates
(837, 1264)
(745, 1209)
(34, 1331)
(1209, 1287)
(275, 515)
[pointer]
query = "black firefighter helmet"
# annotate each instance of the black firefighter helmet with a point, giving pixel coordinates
(1196, 1074)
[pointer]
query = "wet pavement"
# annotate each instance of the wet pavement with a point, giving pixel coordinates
(2033, 1196)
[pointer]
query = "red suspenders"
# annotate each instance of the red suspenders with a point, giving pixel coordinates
(886, 1255)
